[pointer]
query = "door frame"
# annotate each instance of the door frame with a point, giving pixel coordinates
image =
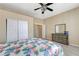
(43, 29)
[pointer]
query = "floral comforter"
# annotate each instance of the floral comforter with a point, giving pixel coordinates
(31, 47)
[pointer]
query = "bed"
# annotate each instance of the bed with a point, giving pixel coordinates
(31, 47)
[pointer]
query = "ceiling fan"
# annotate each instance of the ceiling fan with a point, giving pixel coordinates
(44, 7)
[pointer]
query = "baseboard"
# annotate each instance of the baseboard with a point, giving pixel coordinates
(74, 45)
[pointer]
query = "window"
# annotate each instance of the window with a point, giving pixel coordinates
(16, 30)
(23, 30)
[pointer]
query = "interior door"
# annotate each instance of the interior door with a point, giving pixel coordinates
(11, 30)
(38, 31)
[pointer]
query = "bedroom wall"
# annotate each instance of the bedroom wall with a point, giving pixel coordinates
(71, 19)
(39, 21)
(6, 14)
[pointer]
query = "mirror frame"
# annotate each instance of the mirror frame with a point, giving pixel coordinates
(60, 24)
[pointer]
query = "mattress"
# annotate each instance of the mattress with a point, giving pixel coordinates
(31, 47)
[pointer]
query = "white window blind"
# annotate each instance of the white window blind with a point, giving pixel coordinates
(11, 30)
(16, 30)
(23, 30)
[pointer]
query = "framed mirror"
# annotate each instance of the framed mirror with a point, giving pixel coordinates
(60, 28)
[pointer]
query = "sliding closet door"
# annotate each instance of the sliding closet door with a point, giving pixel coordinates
(23, 30)
(11, 30)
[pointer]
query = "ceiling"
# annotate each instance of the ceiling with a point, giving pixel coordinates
(28, 8)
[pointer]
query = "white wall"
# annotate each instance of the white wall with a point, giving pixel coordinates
(6, 14)
(71, 19)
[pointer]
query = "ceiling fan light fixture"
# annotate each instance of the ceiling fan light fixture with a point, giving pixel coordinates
(44, 7)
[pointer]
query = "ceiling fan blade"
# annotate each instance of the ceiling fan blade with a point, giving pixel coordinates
(36, 8)
(48, 4)
(41, 4)
(49, 9)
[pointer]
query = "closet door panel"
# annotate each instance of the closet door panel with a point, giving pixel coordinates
(23, 30)
(11, 30)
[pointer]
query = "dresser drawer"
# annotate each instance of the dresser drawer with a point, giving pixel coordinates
(61, 38)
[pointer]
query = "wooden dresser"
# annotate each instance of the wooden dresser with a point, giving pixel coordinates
(60, 38)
